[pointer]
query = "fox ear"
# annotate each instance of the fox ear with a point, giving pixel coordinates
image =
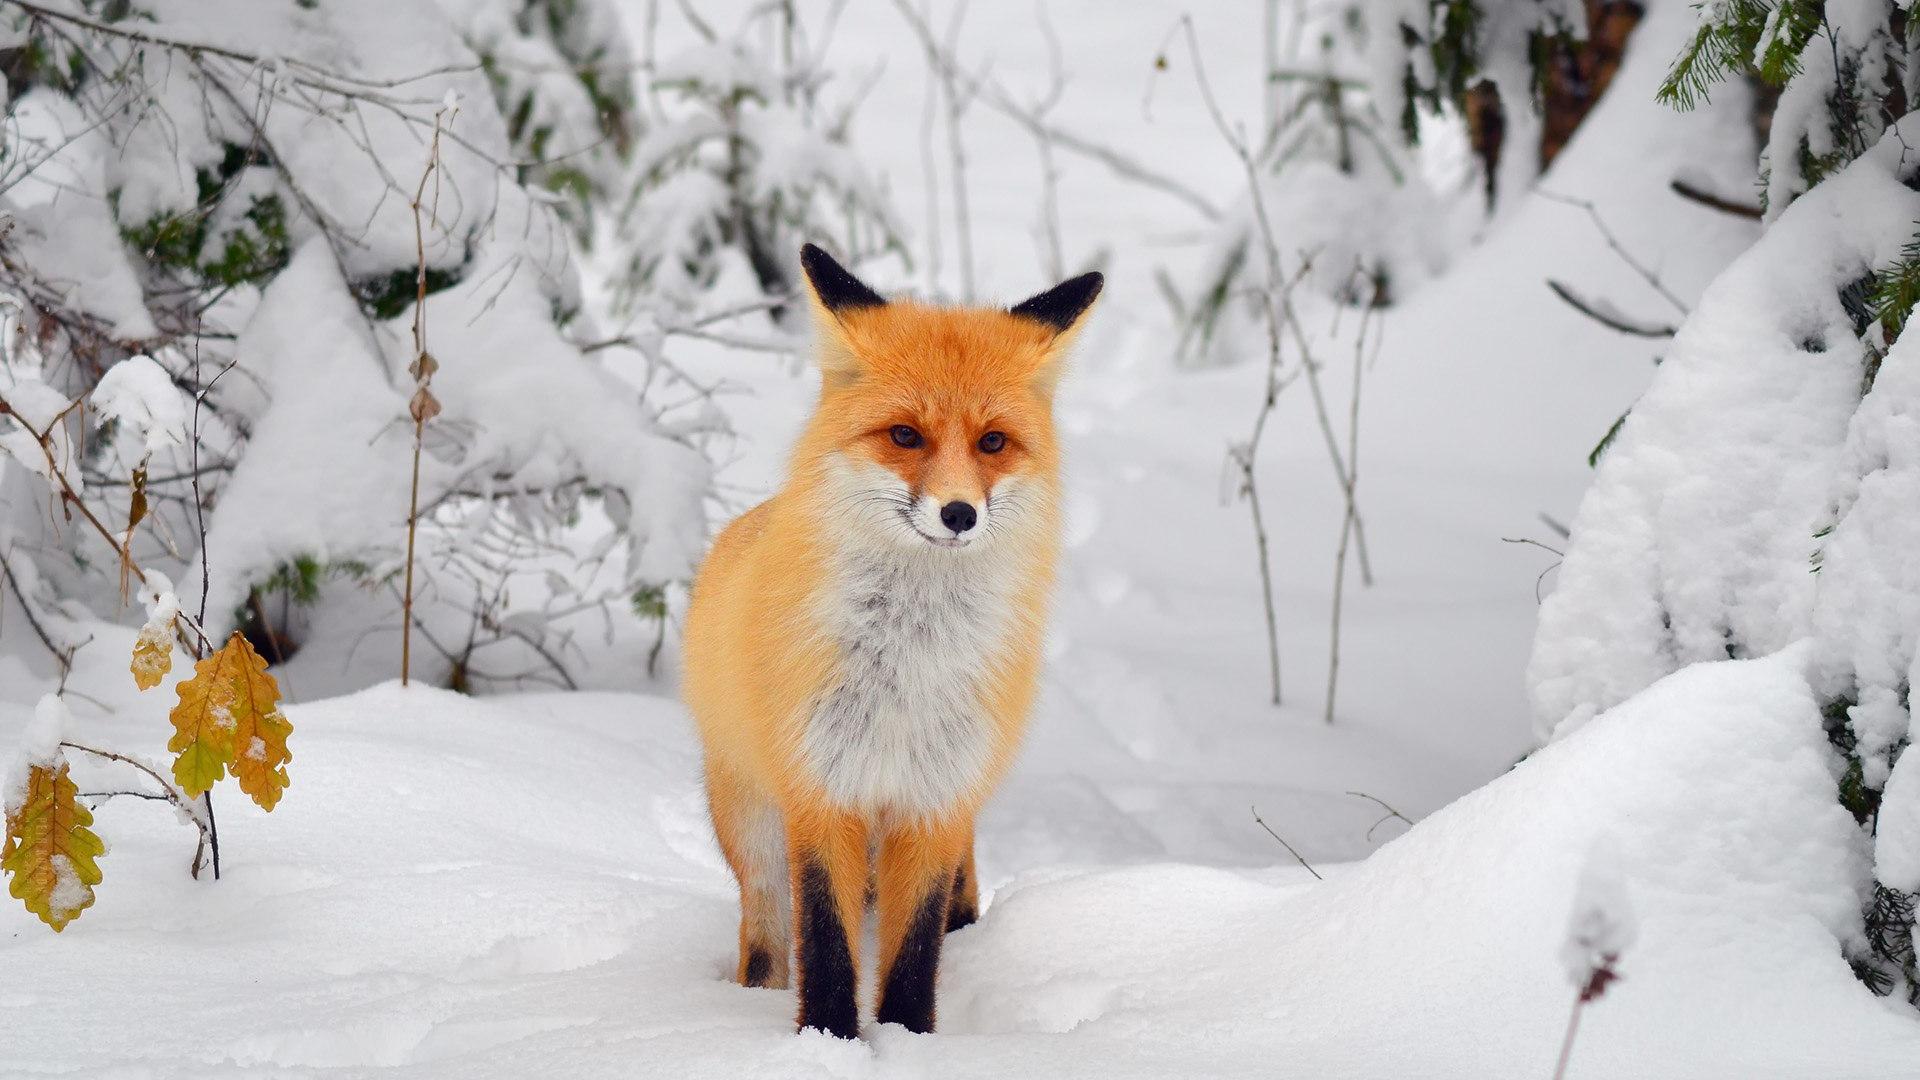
(834, 293)
(1062, 306)
(833, 287)
(1062, 309)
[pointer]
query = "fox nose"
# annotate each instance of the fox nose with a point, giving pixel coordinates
(958, 516)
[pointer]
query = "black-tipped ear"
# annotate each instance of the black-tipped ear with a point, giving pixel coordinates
(1061, 306)
(835, 288)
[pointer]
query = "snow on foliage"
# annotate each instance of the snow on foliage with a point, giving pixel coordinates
(745, 156)
(560, 72)
(138, 393)
(1698, 538)
(39, 749)
(34, 410)
(1766, 488)
(215, 200)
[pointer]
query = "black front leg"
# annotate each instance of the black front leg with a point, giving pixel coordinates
(827, 974)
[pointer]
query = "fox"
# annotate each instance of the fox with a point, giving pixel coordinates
(861, 651)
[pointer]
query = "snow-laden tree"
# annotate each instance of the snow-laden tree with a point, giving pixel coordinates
(562, 75)
(256, 197)
(745, 157)
(1766, 488)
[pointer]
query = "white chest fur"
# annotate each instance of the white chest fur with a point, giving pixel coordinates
(903, 727)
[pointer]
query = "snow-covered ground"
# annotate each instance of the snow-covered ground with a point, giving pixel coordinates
(527, 886)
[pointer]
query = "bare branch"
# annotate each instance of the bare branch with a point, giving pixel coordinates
(1708, 199)
(1283, 843)
(1608, 319)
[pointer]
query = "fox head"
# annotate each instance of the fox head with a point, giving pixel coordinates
(935, 425)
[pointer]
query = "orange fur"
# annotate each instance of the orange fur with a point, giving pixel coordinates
(760, 656)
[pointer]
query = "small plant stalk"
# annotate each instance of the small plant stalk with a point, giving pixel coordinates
(423, 406)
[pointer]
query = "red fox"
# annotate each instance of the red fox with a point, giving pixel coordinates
(862, 649)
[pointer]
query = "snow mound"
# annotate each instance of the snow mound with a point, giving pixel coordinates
(529, 886)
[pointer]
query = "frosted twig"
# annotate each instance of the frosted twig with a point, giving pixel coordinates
(1121, 164)
(168, 793)
(1051, 249)
(1272, 300)
(70, 499)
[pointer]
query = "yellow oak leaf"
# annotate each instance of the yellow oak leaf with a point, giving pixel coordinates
(152, 656)
(50, 850)
(204, 722)
(260, 753)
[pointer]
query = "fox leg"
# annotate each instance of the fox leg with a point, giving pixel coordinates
(751, 836)
(964, 907)
(917, 862)
(827, 858)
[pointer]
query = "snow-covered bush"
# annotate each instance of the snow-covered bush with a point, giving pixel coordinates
(744, 157)
(230, 189)
(1348, 204)
(1766, 488)
(561, 74)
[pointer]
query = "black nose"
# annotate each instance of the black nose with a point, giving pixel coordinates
(958, 516)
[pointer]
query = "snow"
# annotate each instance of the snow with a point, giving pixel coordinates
(317, 379)
(1603, 924)
(320, 137)
(62, 223)
(33, 410)
(39, 748)
(468, 915)
(138, 393)
(1896, 849)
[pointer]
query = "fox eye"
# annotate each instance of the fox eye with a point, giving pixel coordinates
(905, 437)
(993, 442)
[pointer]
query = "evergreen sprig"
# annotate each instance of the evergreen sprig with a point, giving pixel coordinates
(1896, 288)
(1762, 37)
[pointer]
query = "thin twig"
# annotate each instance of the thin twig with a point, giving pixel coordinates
(1121, 164)
(63, 657)
(1283, 843)
(1566, 1043)
(1350, 520)
(170, 794)
(1619, 249)
(1715, 202)
(422, 405)
(1381, 803)
(1612, 322)
(1541, 580)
